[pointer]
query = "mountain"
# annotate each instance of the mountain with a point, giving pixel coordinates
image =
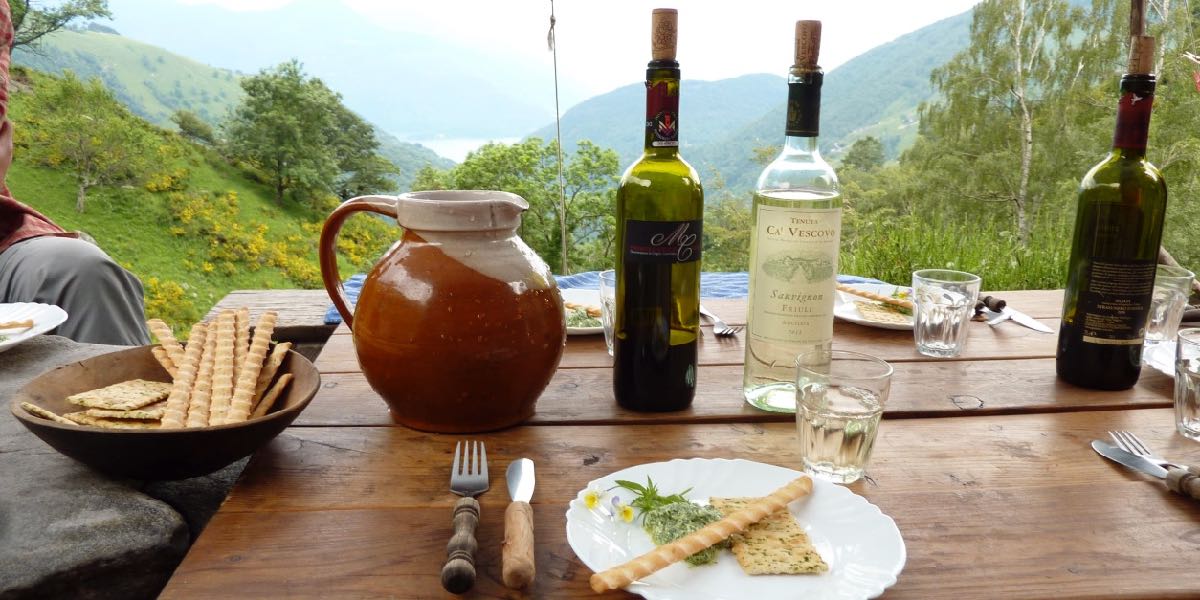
(155, 83)
(722, 122)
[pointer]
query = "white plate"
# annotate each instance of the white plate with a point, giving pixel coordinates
(844, 308)
(862, 545)
(587, 298)
(45, 317)
(1161, 357)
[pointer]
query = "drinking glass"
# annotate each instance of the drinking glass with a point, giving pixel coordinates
(943, 302)
(1171, 288)
(1187, 383)
(839, 400)
(608, 305)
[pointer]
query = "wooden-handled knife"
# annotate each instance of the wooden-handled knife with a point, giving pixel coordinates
(517, 569)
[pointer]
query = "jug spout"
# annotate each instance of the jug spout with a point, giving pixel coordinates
(460, 210)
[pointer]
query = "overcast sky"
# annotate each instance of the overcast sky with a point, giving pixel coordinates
(604, 44)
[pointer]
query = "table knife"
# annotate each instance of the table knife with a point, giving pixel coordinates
(1020, 318)
(517, 554)
(1181, 481)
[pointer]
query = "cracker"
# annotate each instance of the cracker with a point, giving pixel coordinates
(224, 369)
(272, 396)
(776, 545)
(138, 414)
(243, 393)
(241, 320)
(274, 361)
(127, 395)
(82, 418)
(178, 401)
(164, 359)
(38, 411)
(162, 331)
(873, 311)
(199, 403)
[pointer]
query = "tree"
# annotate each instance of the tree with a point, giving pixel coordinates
(83, 127)
(865, 154)
(297, 132)
(31, 23)
(191, 126)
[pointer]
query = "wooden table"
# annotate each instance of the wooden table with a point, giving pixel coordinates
(982, 461)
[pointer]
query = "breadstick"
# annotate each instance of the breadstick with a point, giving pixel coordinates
(164, 359)
(272, 396)
(38, 411)
(243, 394)
(202, 389)
(176, 409)
(876, 297)
(224, 369)
(274, 361)
(241, 320)
(163, 332)
(26, 324)
(668, 554)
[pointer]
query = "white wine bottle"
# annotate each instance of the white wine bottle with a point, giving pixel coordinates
(660, 210)
(796, 224)
(1118, 227)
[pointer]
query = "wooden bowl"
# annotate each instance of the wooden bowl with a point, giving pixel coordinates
(153, 453)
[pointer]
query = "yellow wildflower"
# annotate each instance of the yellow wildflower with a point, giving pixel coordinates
(592, 498)
(625, 512)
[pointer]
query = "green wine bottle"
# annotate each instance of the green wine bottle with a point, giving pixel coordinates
(660, 210)
(1118, 228)
(796, 221)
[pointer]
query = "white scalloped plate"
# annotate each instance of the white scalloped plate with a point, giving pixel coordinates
(587, 298)
(862, 546)
(1161, 357)
(845, 309)
(45, 317)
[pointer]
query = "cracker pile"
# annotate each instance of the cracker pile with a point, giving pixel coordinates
(774, 545)
(878, 312)
(222, 376)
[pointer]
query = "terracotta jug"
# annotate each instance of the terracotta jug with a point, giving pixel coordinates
(460, 325)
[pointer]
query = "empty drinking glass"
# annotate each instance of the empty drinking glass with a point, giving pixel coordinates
(943, 302)
(1187, 383)
(608, 305)
(1171, 288)
(839, 400)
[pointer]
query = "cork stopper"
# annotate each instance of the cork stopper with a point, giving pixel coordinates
(808, 43)
(1141, 55)
(663, 33)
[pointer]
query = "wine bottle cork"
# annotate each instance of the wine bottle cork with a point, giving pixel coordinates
(808, 43)
(1141, 55)
(663, 33)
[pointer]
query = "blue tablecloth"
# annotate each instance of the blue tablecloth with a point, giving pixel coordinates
(712, 285)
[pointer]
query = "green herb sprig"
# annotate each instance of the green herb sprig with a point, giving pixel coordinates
(648, 497)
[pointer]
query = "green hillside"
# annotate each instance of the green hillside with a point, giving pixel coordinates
(197, 229)
(155, 83)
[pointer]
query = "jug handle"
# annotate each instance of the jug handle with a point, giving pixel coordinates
(384, 205)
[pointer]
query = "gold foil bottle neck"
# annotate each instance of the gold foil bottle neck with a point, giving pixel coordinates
(663, 33)
(808, 44)
(1141, 55)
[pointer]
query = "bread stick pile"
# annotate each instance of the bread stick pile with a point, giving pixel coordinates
(224, 375)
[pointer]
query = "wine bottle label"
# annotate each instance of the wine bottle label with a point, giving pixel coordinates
(1113, 307)
(794, 274)
(1133, 121)
(662, 114)
(662, 241)
(804, 106)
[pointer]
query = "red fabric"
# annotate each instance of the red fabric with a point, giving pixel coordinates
(17, 221)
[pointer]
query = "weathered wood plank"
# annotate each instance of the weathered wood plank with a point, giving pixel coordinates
(301, 312)
(919, 389)
(1004, 506)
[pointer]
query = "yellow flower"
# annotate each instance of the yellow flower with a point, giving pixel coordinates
(592, 498)
(625, 512)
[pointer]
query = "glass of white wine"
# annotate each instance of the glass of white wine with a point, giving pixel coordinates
(839, 401)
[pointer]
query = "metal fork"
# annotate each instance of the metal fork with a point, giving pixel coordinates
(1130, 442)
(720, 328)
(468, 478)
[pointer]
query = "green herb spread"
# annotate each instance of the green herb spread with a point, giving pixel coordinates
(670, 522)
(578, 317)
